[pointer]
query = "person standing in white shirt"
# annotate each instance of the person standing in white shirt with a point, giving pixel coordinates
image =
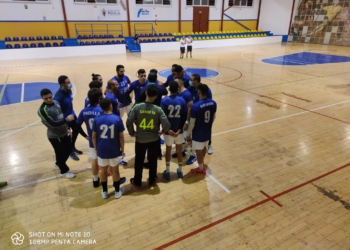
(189, 42)
(182, 47)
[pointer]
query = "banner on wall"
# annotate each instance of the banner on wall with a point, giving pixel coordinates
(110, 13)
(144, 13)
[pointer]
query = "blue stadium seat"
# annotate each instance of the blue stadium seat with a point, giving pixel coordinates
(81, 43)
(111, 36)
(46, 38)
(173, 39)
(87, 43)
(60, 37)
(25, 45)
(93, 43)
(23, 38)
(123, 42)
(150, 34)
(31, 38)
(40, 45)
(96, 36)
(140, 41)
(85, 37)
(39, 38)
(149, 40)
(53, 38)
(15, 38)
(7, 39)
(80, 37)
(163, 40)
(106, 36)
(47, 44)
(8, 46)
(168, 40)
(100, 36)
(120, 36)
(108, 42)
(17, 46)
(104, 42)
(113, 42)
(146, 35)
(91, 37)
(160, 34)
(98, 43)
(33, 45)
(62, 44)
(141, 35)
(118, 42)
(55, 44)
(169, 34)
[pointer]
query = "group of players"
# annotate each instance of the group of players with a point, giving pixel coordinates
(186, 116)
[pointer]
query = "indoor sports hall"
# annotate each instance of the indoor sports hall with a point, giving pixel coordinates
(279, 174)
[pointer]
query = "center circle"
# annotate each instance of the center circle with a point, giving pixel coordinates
(203, 72)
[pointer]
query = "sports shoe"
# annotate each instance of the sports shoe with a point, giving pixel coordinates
(174, 155)
(166, 175)
(117, 195)
(122, 180)
(96, 184)
(123, 163)
(161, 141)
(132, 181)
(210, 150)
(68, 175)
(74, 156)
(104, 194)
(191, 160)
(179, 173)
(77, 151)
(198, 171)
(3, 184)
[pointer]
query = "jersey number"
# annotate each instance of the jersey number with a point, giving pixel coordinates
(104, 129)
(149, 125)
(207, 116)
(91, 122)
(172, 108)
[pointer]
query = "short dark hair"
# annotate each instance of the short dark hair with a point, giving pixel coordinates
(178, 68)
(105, 104)
(141, 71)
(197, 77)
(173, 87)
(152, 90)
(180, 79)
(95, 76)
(119, 66)
(62, 79)
(94, 96)
(152, 77)
(153, 71)
(109, 83)
(95, 84)
(174, 65)
(203, 88)
(45, 92)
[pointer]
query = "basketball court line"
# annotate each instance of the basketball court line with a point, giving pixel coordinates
(22, 93)
(216, 134)
(3, 88)
(271, 198)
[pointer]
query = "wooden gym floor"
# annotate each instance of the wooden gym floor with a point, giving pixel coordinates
(279, 176)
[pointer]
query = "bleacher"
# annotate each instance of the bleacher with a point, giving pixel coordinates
(99, 34)
(229, 34)
(34, 42)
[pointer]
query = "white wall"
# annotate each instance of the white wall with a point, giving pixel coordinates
(275, 16)
(15, 11)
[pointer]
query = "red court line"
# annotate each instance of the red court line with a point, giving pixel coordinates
(248, 208)
(268, 196)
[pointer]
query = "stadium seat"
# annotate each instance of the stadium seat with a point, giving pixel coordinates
(108, 42)
(17, 46)
(98, 43)
(23, 38)
(150, 34)
(173, 39)
(93, 43)
(7, 39)
(53, 38)
(117, 42)
(140, 41)
(160, 34)
(85, 37)
(87, 43)
(81, 43)
(25, 45)
(100, 36)
(149, 40)
(8, 46)
(80, 37)
(15, 38)
(62, 44)
(33, 45)
(39, 38)
(123, 42)
(46, 38)
(60, 37)
(47, 44)
(40, 45)
(91, 37)
(168, 40)
(154, 40)
(113, 42)
(55, 44)
(96, 36)
(106, 36)
(163, 40)
(104, 42)
(170, 34)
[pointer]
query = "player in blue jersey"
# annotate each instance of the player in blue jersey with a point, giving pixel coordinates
(194, 82)
(93, 85)
(87, 115)
(108, 140)
(123, 83)
(175, 109)
(156, 72)
(171, 77)
(138, 85)
(180, 72)
(202, 118)
(111, 95)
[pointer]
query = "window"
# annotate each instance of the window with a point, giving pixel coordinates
(240, 3)
(200, 2)
(155, 2)
(43, 1)
(95, 1)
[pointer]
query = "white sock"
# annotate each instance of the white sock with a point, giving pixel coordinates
(95, 177)
(200, 166)
(167, 167)
(180, 167)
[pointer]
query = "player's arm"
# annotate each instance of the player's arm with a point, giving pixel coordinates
(191, 125)
(46, 117)
(130, 122)
(182, 122)
(189, 107)
(94, 140)
(164, 121)
(121, 141)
